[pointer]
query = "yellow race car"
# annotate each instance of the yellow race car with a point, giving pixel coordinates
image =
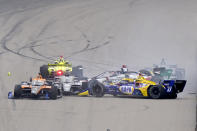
(137, 87)
(59, 67)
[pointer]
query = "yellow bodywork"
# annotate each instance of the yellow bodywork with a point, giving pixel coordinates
(140, 80)
(85, 93)
(146, 83)
(140, 83)
(60, 64)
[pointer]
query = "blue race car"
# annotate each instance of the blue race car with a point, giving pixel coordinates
(138, 87)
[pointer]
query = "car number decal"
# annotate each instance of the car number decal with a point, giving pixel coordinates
(169, 89)
(126, 89)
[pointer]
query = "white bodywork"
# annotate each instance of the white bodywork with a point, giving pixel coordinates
(116, 76)
(36, 86)
(68, 82)
(35, 89)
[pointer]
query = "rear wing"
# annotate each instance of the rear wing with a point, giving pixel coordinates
(68, 65)
(180, 84)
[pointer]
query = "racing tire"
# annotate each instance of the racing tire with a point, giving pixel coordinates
(115, 95)
(44, 71)
(17, 91)
(98, 89)
(60, 93)
(53, 93)
(173, 95)
(156, 92)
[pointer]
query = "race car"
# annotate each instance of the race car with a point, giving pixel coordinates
(37, 88)
(163, 71)
(60, 67)
(71, 85)
(116, 76)
(139, 87)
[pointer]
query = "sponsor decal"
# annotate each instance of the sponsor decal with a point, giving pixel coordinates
(126, 89)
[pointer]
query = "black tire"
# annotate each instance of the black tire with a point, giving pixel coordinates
(173, 94)
(60, 94)
(98, 89)
(156, 92)
(53, 93)
(115, 95)
(17, 91)
(44, 71)
(90, 85)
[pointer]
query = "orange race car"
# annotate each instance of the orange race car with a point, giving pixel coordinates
(36, 88)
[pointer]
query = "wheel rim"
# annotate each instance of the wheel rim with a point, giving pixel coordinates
(155, 92)
(97, 91)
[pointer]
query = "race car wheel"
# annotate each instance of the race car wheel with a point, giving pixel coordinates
(53, 93)
(44, 71)
(17, 91)
(173, 94)
(98, 90)
(155, 92)
(60, 94)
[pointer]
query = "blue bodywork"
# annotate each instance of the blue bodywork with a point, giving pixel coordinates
(114, 89)
(170, 87)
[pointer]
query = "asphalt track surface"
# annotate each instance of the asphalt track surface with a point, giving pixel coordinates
(100, 35)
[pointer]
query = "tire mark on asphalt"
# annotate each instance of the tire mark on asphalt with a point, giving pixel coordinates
(132, 3)
(34, 42)
(13, 31)
(13, 105)
(39, 40)
(101, 63)
(86, 48)
(83, 34)
(38, 53)
(74, 53)
(2, 53)
(28, 46)
(99, 46)
(9, 36)
(145, 107)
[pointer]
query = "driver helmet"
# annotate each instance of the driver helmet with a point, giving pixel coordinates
(61, 59)
(124, 66)
(124, 69)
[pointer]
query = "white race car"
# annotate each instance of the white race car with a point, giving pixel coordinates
(70, 85)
